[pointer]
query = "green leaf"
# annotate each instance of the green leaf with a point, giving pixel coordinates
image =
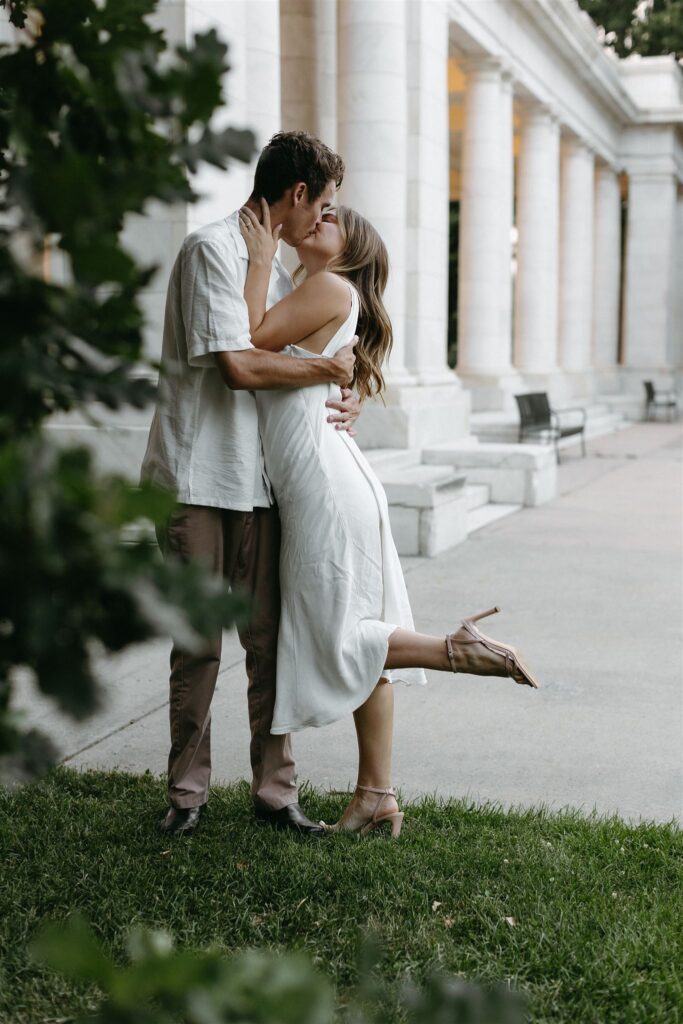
(72, 949)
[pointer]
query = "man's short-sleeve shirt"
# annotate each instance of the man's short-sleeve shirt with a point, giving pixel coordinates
(204, 443)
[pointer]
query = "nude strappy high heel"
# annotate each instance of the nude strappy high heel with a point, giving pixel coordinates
(395, 818)
(471, 652)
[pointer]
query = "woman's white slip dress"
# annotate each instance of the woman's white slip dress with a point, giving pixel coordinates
(343, 592)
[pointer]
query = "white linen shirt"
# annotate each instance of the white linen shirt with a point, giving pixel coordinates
(204, 442)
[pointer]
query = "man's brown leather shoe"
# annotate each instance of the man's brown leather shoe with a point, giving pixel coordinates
(291, 818)
(181, 821)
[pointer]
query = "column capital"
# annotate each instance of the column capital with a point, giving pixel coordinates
(574, 143)
(507, 78)
(532, 108)
(604, 167)
(483, 65)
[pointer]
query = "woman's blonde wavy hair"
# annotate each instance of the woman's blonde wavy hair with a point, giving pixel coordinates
(364, 262)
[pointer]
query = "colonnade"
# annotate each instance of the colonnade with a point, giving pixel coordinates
(386, 112)
(568, 220)
(565, 329)
(370, 79)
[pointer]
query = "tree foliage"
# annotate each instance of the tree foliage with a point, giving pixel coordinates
(162, 985)
(93, 125)
(630, 27)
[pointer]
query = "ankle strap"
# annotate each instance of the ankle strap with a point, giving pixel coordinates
(389, 791)
(449, 651)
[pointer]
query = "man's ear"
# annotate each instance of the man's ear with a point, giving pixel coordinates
(299, 192)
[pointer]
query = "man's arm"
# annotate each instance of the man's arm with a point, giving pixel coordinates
(253, 369)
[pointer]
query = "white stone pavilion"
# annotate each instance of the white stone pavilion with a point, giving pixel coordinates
(567, 164)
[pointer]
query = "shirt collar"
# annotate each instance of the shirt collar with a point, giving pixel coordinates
(233, 222)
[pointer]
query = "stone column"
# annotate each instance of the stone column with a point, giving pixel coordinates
(428, 186)
(650, 261)
(677, 322)
(325, 12)
(484, 327)
(308, 76)
(576, 259)
(607, 262)
(507, 208)
(263, 69)
(223, 191)
(309, 67)
(372, 138)
(538, 221)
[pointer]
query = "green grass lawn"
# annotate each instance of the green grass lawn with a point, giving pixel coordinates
(584, 915)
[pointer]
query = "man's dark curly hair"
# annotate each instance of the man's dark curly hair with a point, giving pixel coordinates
(295, 156)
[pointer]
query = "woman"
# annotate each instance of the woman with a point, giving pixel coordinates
(346, 629)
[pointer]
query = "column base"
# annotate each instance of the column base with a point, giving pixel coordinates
(570, 384)
(492, 392)
(415, 415)
(561, 386)
(665, 377)
(607, 380)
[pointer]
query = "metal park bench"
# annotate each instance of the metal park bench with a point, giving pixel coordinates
(655, 400)
(538, 421)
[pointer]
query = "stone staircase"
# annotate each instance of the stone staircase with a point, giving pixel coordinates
(481, 510)
(432, 506)
(441, 494)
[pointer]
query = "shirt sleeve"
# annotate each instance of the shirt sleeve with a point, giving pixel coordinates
(215, 315)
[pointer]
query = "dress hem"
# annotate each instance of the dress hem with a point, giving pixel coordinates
(283, 730)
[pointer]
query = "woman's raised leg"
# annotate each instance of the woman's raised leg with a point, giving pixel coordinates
(408, 649)
(467, 650)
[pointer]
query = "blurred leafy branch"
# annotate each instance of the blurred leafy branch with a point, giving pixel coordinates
(630, 26)
(97, 119)
(161, 985)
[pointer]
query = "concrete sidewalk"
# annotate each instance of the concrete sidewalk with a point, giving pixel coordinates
(591, 590)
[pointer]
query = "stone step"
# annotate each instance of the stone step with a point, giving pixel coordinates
(632, 408)
(422, 486)
(427, 506)
(477, 495)
(384, 460)
(485, 514)
(517, 474)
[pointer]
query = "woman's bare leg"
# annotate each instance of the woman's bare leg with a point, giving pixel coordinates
(374, 721)
(408, 649)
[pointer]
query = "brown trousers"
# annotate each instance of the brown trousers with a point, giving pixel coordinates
(244, 549)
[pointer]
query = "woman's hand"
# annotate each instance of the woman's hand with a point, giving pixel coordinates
(261, 241)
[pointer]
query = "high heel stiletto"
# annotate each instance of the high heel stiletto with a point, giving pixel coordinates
(395, 818)
(471, 651)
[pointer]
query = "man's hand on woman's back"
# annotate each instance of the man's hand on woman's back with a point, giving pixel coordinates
(343, 364)
(345, 413)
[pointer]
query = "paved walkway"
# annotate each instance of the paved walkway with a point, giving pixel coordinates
(591, 590)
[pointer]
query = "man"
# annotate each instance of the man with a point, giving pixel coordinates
(204, 446)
